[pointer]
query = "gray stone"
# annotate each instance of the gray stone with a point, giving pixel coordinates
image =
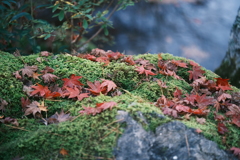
(171, 141)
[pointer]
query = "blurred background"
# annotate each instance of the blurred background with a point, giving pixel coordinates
(195, 29)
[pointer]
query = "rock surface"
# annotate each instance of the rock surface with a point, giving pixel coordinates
(172, 140)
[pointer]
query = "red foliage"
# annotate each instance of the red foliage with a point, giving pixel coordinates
(72, 81)
(141, 70)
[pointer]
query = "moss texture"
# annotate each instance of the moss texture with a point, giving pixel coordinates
(88, 137)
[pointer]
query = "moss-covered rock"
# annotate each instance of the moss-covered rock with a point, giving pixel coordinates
(87, 136)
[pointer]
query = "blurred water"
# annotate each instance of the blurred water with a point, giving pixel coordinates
(196, 31)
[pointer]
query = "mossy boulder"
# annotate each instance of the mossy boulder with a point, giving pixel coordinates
(88, 136)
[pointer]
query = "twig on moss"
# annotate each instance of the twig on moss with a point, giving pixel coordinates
(17, 128)
(114, 122)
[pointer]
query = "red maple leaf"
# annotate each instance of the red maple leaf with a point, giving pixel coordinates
(170, 112)
(129, 60)
(177, 93)
(193, 63)
(222, 129)
(236, 120)
(48, 77)
(50, 95)
(82, 95)
(182, 108)
(196, 73)
(42, 90)
(72, 81)
(104, 60)
(72, 92)
(203, 101)
(25, 102)
(141, 70)
(98, 109)
(109, 84)
(199, 111)
(90, 57)
(179, 63)
(106, 105)
(223, 84)
(95, 88)
(90, 110)
(114, 55)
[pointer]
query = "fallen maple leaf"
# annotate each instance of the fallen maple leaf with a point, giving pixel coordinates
(223, 84)
(179, 63)
(82, 95)
(109, 84)
(182, 108)
(114, 55)
(9, 120)
(25, 102)
(42, 107)
(223, 97)
(236, 120)
(95, 88)
(90, 110)
(177, 93)
(104, 60)
(106, 105)
(193, 63)
(28, 70)
(17, 75)
(33, 109)
(170, 112)
(98, 109)
(47, 70)
(48, 77)
(72, 81)
(203, 101)
(196, 73)
(222, 129)
(42, 90)
(36, 76)
(59, 117)
(129, 60)
(141, 70)
(63, 152)
(72, 92)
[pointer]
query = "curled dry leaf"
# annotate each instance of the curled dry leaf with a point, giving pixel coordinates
(9, 120)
